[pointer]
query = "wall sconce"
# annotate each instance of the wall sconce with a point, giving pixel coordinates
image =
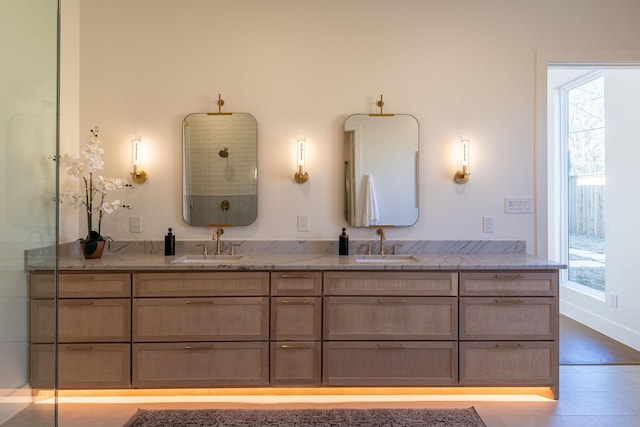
(462, 175)
(138, 175)
(301, 176)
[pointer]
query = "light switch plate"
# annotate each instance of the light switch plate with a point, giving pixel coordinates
(514, 205)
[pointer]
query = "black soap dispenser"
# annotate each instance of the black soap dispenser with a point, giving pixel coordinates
(343, 243)
(170, 243)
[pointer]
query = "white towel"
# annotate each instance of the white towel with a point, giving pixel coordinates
(370, 214)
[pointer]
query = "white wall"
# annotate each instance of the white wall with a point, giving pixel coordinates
(301, 67)
(622, 205)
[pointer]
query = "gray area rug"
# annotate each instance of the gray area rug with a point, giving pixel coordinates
(306, 417)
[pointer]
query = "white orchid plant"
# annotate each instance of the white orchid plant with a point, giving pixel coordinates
(96, 187)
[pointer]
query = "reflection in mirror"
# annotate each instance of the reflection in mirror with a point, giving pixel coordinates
(381, 170)
(220, 174)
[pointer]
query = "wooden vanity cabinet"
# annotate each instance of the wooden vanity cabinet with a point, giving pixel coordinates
(509, 329)
(390, 328)
(94, 335)
(200, 329)
(296, 328)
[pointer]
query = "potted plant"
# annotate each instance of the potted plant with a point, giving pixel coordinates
(94, 197)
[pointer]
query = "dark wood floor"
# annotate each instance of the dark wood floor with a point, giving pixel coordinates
(580, 345)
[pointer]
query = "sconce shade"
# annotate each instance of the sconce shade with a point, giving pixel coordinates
(138, 175)
(301, 176)
(462, 175)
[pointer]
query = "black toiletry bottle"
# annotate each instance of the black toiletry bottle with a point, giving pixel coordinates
(343, 243)
(170, 243)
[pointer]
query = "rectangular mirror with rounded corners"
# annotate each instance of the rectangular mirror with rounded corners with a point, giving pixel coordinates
(381, 170)
(220, 172)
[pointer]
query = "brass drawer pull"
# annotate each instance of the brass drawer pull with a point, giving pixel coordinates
(206, 302)
(509, 276)
(391, 346)
(296, 276)
(198, 347)
(71, 302)
(288, 301)
(79, 348)
(509, 301)
(508, 345)
(392, 301)
(294, 346)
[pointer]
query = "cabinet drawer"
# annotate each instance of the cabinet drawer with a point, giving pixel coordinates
(42, 321)
(201, 319)
(390, 283)
(508, 363)
(390, 363)
(296, 318)
(509, 283)
(81, 285)
(512, 318)
(82, 320)
(94, 320)
(42, 284)
(41, 365)
(81, 365)
(296, 283)
(200, 364)
(390, 318)
(295, 363)
(190, 284)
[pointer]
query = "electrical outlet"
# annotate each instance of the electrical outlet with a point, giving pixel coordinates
(135, 224)
(487, 224)
(303, 222)
(612, 300)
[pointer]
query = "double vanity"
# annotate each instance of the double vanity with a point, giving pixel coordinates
(139, 319)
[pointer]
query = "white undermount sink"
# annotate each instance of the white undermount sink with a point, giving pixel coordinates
(207, 259)
(386, 259)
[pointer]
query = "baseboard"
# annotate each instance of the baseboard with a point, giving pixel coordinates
(601, 324)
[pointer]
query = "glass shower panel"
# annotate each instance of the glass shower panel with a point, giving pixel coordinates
(28, 212)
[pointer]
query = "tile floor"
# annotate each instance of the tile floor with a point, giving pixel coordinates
(589, 396)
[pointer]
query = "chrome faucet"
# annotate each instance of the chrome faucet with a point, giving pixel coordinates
(382, 237)
(216, 236)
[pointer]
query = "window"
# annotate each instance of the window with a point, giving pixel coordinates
(584, 135)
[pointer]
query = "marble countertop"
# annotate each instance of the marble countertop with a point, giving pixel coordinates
(274, 262)
(296, 255)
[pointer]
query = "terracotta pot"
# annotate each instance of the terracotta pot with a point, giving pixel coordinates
(95, 254)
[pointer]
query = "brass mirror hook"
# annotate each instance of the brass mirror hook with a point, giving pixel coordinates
(220, 104)
(380, 104)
